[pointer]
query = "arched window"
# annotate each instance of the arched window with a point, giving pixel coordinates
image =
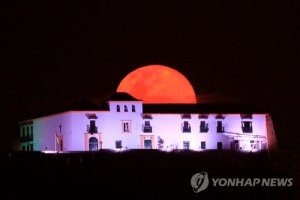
(93, 144)
(132, 108)
(118, 108)
(125, 109)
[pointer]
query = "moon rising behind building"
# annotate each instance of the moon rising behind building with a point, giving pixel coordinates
(162, 102)
(158, 84)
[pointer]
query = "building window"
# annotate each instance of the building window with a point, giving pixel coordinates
(186, 127)
(118, 144)
(118, 108)
(203, 127)
(203, 145)
(31, 133)
(92, 128)
(219, 145)
(125, 109)
(24, 132)
(133, 108)
(21, 132)
(220, 127)
(147, 144)
(186, 144)
(126, 126)
(93, 144)
(29, 136)
(147, 128)
(247, 127)
(234, 145)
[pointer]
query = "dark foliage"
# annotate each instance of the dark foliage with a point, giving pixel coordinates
(138, 174)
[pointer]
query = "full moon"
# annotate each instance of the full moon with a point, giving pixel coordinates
(158, 84)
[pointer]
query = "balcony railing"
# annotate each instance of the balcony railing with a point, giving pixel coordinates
(247, 129)
(186, 128)
(204, 128)
(147, 129)
(92, 129)
(220, 129)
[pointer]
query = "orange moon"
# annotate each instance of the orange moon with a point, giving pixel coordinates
(158, 84)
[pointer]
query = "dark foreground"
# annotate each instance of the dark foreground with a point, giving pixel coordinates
(142, 175)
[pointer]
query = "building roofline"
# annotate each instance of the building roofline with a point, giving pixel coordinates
(175, 109)
(148, 113)
(122, 96)
(60, 113)
(207, 108)
(124, 100)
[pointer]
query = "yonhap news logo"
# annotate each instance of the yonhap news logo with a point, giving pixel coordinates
(200, 182)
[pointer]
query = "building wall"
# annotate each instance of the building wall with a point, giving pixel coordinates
(112, 130)
(167, 127)
(46, 128)
(79, 122)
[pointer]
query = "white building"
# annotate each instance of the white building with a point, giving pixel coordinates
(127, 123)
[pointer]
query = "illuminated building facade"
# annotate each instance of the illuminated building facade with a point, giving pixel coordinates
(127, 123)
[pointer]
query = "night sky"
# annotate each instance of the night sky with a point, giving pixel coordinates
(54, 54)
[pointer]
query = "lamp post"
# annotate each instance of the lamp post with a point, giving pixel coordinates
(100, 144)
